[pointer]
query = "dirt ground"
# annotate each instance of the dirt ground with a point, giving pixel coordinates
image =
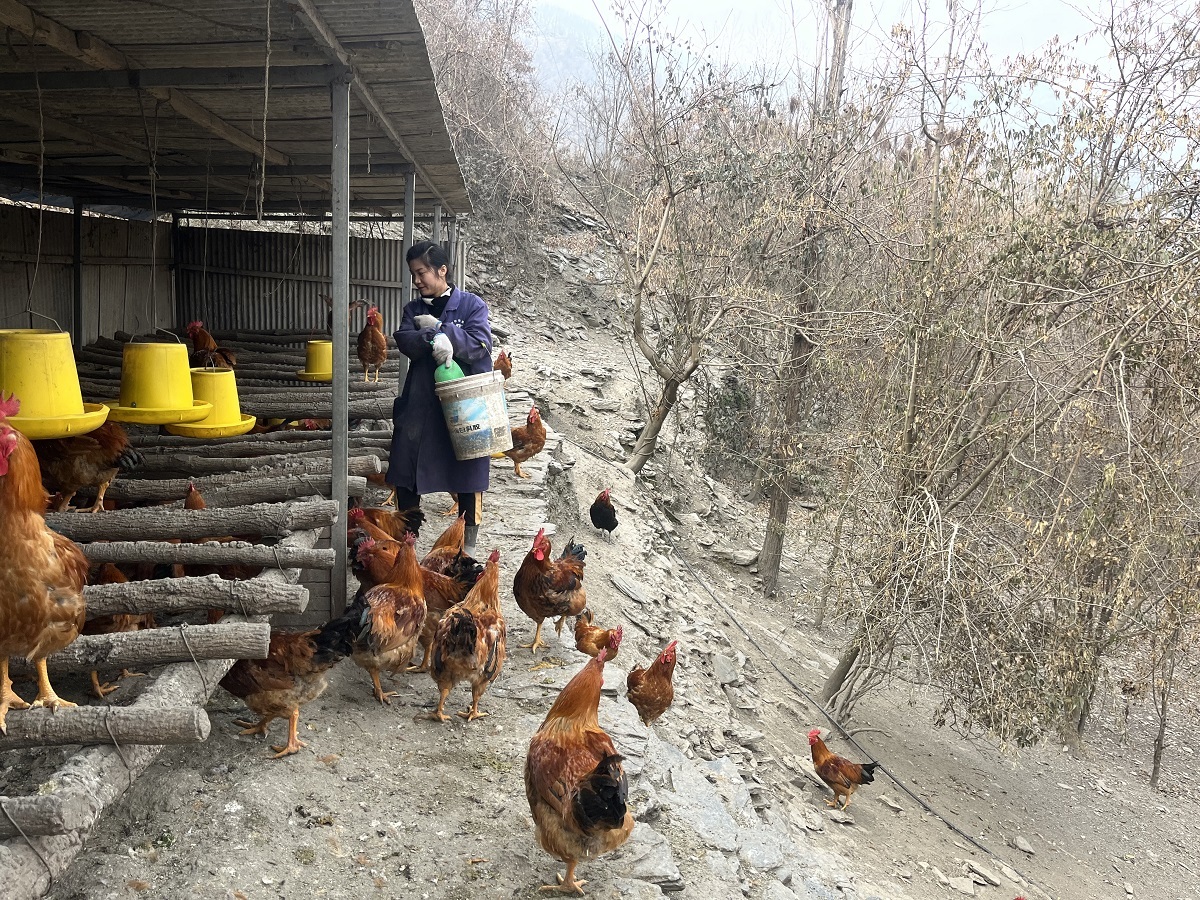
(385, 803)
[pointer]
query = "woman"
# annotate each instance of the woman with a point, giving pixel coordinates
(445, 322)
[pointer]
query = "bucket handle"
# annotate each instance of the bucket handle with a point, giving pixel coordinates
(172, 335)
(33, 312)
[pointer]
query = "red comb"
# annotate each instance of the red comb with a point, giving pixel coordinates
(10, 405)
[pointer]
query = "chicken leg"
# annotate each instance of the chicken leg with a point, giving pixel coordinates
(102, 690)
(474, 712)
(566, 883)
(294, 744)
(537, 640)
(384, 697)
(453, 508)
(517, 471)
(46, 696)
(259, 727)
(439, 714)
(64, 501)
(8, 697)
(99, 504)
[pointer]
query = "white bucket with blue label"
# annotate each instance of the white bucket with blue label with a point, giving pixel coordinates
(476, 413)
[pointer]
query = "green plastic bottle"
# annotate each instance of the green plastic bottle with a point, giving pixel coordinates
(448, 372)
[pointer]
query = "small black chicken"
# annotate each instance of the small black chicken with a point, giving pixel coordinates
(603, 513)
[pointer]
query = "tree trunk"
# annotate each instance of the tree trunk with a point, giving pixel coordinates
(837, 678)
(158, 523)
(210, 554)
(104, 725)
(1162, 702)
(644, 448)
(172, 596)
(772, 550)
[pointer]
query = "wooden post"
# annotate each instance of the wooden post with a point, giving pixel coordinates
(340, 274)
(77, 326)
(410, 210)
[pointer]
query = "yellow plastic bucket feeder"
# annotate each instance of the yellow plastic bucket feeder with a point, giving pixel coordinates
(219, 387)
(38, 368)
(318, 362)
(156, 387)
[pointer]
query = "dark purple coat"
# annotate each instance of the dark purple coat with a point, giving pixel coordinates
(422, 457)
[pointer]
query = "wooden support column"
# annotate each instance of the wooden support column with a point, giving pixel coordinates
(410, 208)
(437, 224)
(340, 272)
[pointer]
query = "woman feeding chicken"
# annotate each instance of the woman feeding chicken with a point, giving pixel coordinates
(445, 323)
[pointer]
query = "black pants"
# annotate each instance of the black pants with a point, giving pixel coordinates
(470, 503)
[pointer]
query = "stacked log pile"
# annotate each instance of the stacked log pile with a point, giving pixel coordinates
(269, 492)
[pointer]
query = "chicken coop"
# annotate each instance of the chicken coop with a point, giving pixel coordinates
(259, 167)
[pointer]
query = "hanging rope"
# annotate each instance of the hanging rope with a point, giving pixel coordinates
(262, 162)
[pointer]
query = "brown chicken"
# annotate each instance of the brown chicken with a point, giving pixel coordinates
(293, 674)
(602, 512)
(447, 547)
(503, 365)
(528, 441)
(575, 781)
(650, 690)
(388, 522)
(89, 461)
(469, 644)
(372, 345)
(205, 351)
(591, 639)
(118, 623)
(842, 775)
(391, 615)
(42, 573)
(546, 589)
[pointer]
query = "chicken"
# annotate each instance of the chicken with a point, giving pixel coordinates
(386, 522)
(503, 365)
(42, 573)
(602, 512)
(205, 351)
(591, 639)
(842, 775)
(90, 460)
(469, 643)
(447, 547)
(650, 690)
(293, 674)
(391, 615)
(528, 441)
(575, 781)
(372, 344)
(118, 623)
(545, 589)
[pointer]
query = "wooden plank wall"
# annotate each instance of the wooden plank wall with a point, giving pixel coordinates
(126, 286)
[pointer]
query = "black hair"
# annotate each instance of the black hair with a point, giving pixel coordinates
(429, 252)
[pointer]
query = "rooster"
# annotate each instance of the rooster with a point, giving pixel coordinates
(503, 365)
(470, 643)
(842, 775)
(90, 460)
(293, 674)
(591, 639)
(574, 779)
(205, 351)
(118, 623)
(42, 573)
(372, 345)
(602, 512)
(650, 690)
(391, 615)
(546, 589)
(528, 441)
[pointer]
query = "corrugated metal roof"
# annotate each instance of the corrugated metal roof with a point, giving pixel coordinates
(204, 138)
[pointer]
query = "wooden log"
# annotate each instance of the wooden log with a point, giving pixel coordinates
(362, 462)
(102, 725)
(170, 596)
(156, 647)
(237, 490)
(158, 523)
(269, 406)
(268, 448)
(142, 441)
(162, 553)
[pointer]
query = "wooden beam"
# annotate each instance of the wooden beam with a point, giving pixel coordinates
(215, 77)
(72, 132)
(173, 596)
(157, 523)
(102, 725)
(162, 553)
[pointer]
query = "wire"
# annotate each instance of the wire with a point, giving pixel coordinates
(262, 163)
(812, 701)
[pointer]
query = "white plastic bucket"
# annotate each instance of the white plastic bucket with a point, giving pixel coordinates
(476, 413)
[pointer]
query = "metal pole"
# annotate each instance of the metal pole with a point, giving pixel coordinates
(340, 273)
(410, 208)
(437, 224)
(77, 299)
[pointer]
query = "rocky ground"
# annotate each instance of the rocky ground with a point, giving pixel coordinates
(384, 802)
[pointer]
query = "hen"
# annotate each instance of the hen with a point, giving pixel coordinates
(575, 781)
(503, 365)
(470, 643)
(591, 639)
(383, 522)
(391, 615)
(842, 775)
(293, 674)
(42, 573)
(602, 512)
(118, 623)
(447, 547)
(650, 690)
(205, 351)
(372, 345)
(547, 589)
(90, 460)
(528, 441)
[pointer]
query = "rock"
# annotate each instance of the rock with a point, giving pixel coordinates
(986, 874)
(689, 796)
(722, 866)
(776, 891)
(842, 818)
(647, 856)
(637, 890)
(1010, 873)
(689, 520)
(762, 850)
(635, 591)
(940, 877)
(963, 886)
(725, 670)
(740, 557)
(890, 803)
(1022, 844)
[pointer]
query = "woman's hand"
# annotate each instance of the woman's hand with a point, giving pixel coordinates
(427, 321)
(442, 349)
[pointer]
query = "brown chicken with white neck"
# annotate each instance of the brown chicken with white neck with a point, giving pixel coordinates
(550, 589)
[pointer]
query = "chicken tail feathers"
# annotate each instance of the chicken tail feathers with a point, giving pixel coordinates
(601, 801)
(868, 772)
(462, 631)
(129, 459)
(574, 551)
(335, 639)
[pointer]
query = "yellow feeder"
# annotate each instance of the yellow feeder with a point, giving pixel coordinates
(156, 387)
(38, 368)
(219, 387)
(318, 362)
